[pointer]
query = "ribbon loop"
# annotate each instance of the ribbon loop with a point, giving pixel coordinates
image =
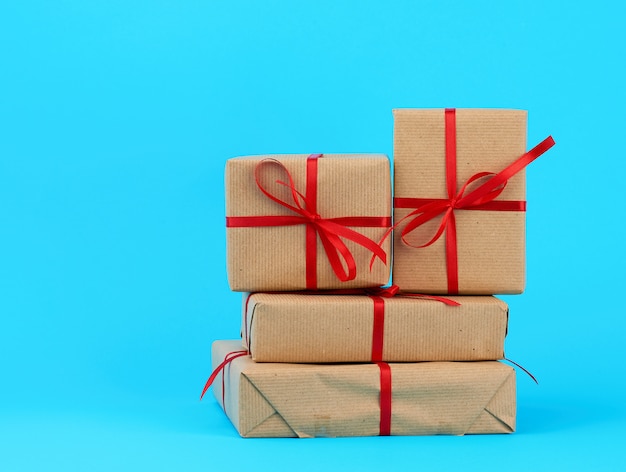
(485, 193)
(299, 203)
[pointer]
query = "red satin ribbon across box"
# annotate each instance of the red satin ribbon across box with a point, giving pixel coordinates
(460, 200)
(312, 222)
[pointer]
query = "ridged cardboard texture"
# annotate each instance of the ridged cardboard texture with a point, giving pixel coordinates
(305, 328)
(309, 400)
(273, 258)
(491, 244)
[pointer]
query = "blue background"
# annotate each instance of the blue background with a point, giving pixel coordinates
(116, 119)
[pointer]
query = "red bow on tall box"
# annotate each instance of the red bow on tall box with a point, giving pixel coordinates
(373, 399)
(307, 221)
(459, 204)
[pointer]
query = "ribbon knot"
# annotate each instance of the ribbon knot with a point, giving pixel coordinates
(430, 209)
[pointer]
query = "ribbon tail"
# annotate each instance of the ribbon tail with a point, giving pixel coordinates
(504, 175)
(334, 246)
(380, 244)
(525, 371)
(227, 360)
(341, 231)
(446, 301)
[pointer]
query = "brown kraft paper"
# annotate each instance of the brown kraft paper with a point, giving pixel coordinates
(303, 328)
(309, 400)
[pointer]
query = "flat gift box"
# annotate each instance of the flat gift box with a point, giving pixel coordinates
(309, 400)
(490, 240)
(303, 328)
(286, 239)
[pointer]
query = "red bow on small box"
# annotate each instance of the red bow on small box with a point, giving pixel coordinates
(330, 230)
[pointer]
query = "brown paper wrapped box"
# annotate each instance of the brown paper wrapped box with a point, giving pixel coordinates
(306, 328)
(490, 244)
(308, 400)
(268, 242)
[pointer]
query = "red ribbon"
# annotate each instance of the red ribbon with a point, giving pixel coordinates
(378, 333)
(231, 356)
(330, 230)
(376, 294)
(385, 399)
(480, 198)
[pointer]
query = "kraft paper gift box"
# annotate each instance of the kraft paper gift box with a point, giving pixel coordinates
(308, 400)
(302, 328)
(307, 221)
(478, 247)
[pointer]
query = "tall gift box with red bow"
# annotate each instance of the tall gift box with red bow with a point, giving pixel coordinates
(459, 202)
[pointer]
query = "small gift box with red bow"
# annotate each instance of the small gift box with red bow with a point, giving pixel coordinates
(319, 400)
(312, 222)
(459, 202)
(380, 326)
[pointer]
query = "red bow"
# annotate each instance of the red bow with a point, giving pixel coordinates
(330, 230)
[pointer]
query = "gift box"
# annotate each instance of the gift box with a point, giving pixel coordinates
(307, 221)
(459, 202)
(309, 400)
(302, 328)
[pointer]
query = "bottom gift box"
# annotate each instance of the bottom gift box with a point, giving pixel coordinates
(332, 400)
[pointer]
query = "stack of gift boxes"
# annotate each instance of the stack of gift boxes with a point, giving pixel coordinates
(329, 347)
